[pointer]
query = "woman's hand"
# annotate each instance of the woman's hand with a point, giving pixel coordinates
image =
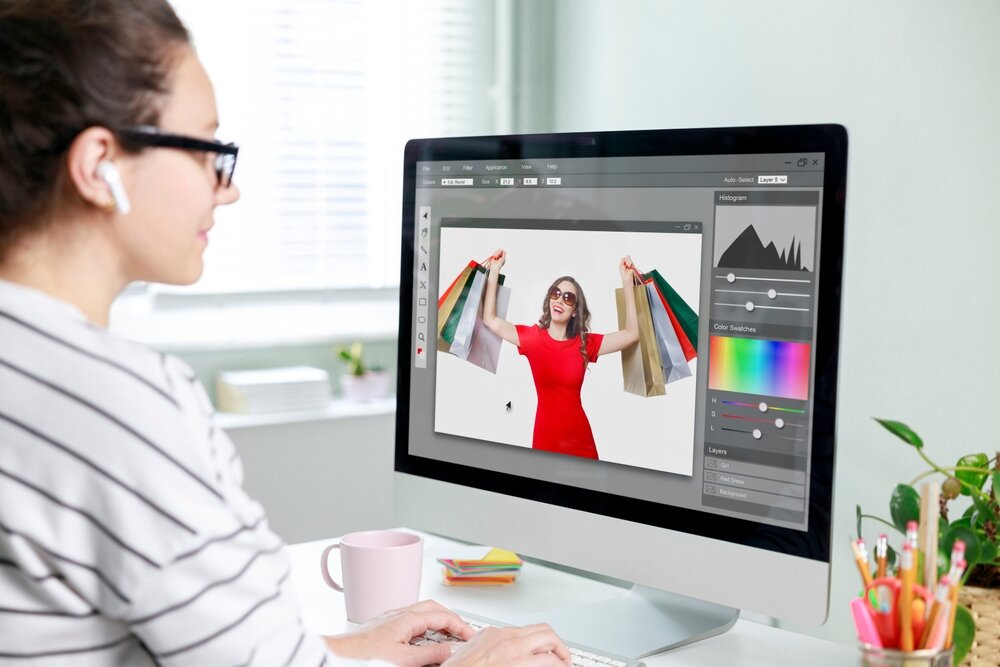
(387, 637)
(530, 646)
(627, 270)
(497, 260)
(497, 325)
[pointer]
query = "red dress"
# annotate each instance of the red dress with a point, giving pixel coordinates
(561, 425)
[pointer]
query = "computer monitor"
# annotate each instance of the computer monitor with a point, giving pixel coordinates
(709, 473)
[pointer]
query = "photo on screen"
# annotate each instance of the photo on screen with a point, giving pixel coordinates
(497, 401)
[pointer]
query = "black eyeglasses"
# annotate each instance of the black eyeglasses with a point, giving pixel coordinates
(225, 154)
(568, 297)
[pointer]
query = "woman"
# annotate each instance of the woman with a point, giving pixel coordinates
(125, 535)
(559, 348)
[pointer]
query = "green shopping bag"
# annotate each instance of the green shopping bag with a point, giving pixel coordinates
(446, 304)
(686, 317)
(450, 314)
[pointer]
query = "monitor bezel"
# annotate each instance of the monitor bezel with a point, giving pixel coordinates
(830, 139)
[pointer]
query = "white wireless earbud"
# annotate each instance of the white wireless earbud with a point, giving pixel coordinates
(108, 173)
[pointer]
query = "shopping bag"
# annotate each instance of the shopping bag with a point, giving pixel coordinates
(685, 315)
(451, 309)
(472, 311)
(485, 350)
(460, 316)
(675, 366)
(642, 370)
(689, 351)
(444, 295)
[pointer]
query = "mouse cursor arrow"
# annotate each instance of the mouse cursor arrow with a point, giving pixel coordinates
(508, 406)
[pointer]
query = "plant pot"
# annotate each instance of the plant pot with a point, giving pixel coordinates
(984, 603)
(371, 386)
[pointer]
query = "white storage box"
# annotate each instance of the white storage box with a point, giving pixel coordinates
(289, 389)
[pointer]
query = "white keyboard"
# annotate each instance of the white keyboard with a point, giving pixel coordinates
(581, 656)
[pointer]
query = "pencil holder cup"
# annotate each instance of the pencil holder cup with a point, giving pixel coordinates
(887, 657)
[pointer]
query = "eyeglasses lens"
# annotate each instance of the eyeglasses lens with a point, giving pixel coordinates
(225, 165)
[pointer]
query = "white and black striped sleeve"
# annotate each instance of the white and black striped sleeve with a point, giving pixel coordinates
(125, 535)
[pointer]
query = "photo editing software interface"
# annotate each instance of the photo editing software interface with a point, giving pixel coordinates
(711, 410)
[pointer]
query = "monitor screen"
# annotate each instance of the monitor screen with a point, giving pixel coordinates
(718, 422)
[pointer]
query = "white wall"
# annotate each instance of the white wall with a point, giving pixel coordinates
(320, 478)
(917, 84)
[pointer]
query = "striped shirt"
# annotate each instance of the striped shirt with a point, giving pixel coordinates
(125, 535)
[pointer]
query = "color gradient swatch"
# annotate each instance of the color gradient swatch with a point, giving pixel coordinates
(768, 367)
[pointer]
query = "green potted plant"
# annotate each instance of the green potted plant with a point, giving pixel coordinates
(361, 382)
(968, 512)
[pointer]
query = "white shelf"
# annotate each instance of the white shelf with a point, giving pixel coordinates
(339, 409)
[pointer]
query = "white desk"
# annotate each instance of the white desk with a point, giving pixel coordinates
(538, 588)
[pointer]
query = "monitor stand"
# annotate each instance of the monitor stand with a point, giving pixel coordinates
(641, 622)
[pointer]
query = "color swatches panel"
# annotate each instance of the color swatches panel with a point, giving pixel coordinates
(751, 366)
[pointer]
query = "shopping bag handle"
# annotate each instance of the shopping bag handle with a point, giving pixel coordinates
(637, 275)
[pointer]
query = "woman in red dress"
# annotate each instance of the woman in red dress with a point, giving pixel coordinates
(559, 348)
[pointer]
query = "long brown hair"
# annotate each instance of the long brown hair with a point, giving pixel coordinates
(578, 325)
(66, 65)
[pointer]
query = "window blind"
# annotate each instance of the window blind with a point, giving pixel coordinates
(322, 95)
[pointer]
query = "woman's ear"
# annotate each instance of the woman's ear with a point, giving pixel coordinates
(88, 150)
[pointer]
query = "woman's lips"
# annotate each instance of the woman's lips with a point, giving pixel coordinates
(557, 309)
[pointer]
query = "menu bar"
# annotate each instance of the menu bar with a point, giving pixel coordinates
(637, 180)
(780, 163)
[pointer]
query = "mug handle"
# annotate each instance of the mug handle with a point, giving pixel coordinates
(325, 572)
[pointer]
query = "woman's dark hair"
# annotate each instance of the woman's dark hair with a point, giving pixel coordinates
(577, 325)
(66, 65)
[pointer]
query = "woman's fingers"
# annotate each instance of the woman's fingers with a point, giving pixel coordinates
(449, 621)
(543, 639)
(440, 619)
(429, 654)
(545, 660)
(531, 646)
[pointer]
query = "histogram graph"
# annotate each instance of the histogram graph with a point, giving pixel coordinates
(765, 237)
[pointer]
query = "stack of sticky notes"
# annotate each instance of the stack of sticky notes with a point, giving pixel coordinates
(496, 567)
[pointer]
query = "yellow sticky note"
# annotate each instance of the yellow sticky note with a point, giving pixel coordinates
(501, 556)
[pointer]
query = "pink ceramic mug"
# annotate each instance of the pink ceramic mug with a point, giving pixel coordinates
(381, 571)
